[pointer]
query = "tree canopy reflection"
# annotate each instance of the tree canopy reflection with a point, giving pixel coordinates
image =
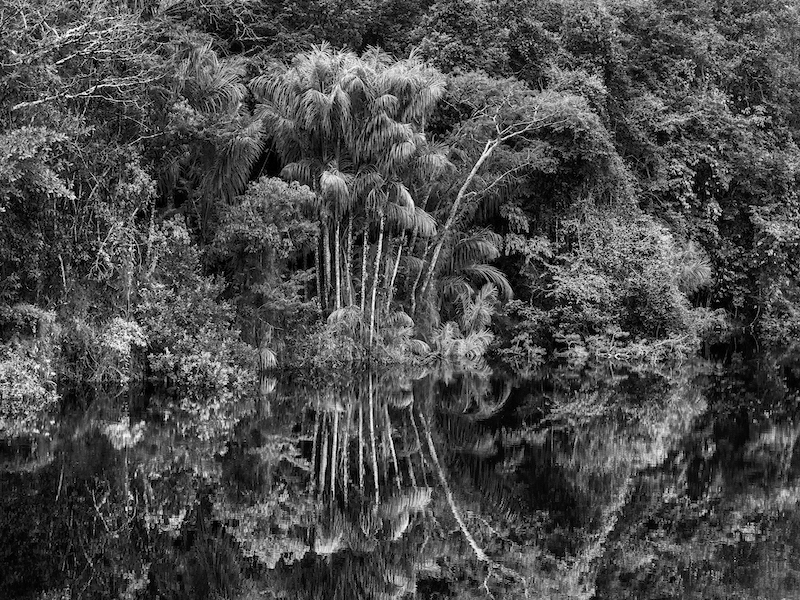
(428, 484)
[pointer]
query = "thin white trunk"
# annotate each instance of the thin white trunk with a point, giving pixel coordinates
(346, 447)
(364, 251)
(391, 445)
(490, 147)
(326, 252)
(372, 443)
(314, 449)
(361, 446)
(323, 462)
(320, 291)
(337, 266)
(334, 450)
(423, 462)
(411, 473)
(479, 552)
(390, 290)
(375, 281)
(348, 261)
(416, 280)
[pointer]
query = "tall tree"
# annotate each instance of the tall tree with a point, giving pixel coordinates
(351, 128)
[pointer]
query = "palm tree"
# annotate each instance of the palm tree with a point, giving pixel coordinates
(351, 129)
(217, 165)
(308, 112)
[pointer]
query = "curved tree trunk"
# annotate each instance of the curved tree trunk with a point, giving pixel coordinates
(487, 152)
(480, 554)
(375, 281)
(390, 290)
(416, 280)
(392, 450)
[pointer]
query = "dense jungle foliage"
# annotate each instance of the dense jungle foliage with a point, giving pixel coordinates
(192, 191)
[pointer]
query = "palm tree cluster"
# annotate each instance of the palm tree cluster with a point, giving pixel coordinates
(353, 130)
(375, 447)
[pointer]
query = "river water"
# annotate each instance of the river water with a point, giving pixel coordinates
(599, 482)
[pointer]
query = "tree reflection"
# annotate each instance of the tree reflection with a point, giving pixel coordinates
(436, 483)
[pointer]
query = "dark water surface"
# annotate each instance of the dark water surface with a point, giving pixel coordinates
(598, 483)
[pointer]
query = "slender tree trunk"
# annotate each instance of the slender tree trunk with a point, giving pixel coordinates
(346, 446)
(390, 290)
(334, 451)
(314, 450)
(326, 245)
(364, 250)
(423, 462)
(409, 458)
(361, 445)
(412, 246)
(318, 265)
(375, 281)
(391, 445)
(323, 460)
(387, 257)
(490, 147)
(338, 276)
(416, 280)
(479, 552)
(372, 442)
(348, 262)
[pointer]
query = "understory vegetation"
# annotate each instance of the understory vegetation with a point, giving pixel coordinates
(197, 192)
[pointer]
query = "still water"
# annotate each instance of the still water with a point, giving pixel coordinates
(604, 482)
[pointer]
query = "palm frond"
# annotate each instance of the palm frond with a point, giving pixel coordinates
(302, 170)
(492, 275)
(409, 500)
(424, 223)
(445, 338)
(334, 186)
(470, 250)
(268, 358)
(399, 319)
(400, 216)
(349, 315)
(235, 162)
(433, 164)
(413, 263)
(418, 347)
(403, 196)
(455, 285)
(478, 311)
(475, 344)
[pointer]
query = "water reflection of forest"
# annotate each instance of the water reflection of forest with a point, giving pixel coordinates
(607, 483)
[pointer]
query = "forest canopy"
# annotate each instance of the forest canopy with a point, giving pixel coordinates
(192, 190)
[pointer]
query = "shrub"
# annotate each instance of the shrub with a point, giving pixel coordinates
(27, 390)
(193, 344)
(625, 281)
(104, 353)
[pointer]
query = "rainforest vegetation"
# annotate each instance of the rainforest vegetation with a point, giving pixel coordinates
(399, 298)
(192, 191)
